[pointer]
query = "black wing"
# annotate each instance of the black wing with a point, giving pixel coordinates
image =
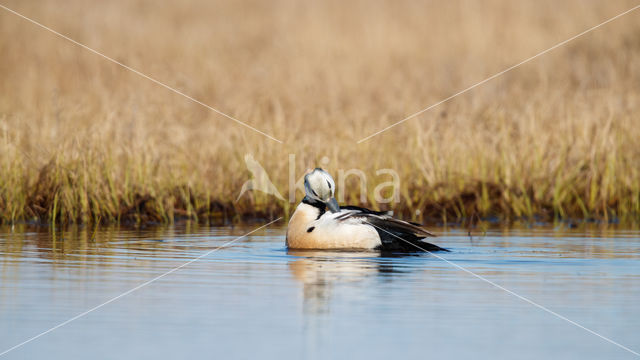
(395, 234)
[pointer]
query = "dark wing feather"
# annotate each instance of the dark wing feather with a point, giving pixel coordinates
(395, 234)
(363, 210)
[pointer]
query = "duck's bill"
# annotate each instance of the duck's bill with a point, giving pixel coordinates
(333, 205)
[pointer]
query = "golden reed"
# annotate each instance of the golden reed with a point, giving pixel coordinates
(82, 139)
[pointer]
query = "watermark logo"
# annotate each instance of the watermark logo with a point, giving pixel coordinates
(386, 190)
(260, 180)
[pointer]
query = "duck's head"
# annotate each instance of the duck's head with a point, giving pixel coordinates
(320, 187)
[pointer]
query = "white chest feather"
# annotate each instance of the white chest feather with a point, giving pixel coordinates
(306, 231)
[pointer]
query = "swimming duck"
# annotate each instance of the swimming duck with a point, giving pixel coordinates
(348, 227)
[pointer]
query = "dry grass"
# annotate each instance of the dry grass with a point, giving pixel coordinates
(82, 139)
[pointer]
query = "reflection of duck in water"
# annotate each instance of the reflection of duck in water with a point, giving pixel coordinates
(348, 227)
(319, 271)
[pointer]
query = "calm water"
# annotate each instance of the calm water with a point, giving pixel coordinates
(256, 299)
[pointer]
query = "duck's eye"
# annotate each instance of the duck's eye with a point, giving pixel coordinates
(314, 193)
(328, 183)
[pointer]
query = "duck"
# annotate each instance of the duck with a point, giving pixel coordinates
(320, 223)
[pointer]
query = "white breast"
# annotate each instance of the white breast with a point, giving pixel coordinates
(307, 232)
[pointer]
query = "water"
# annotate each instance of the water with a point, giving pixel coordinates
(255, 299)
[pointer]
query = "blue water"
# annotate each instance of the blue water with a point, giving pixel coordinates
(255, 299)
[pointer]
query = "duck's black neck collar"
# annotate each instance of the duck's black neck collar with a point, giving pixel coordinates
(322, 208)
